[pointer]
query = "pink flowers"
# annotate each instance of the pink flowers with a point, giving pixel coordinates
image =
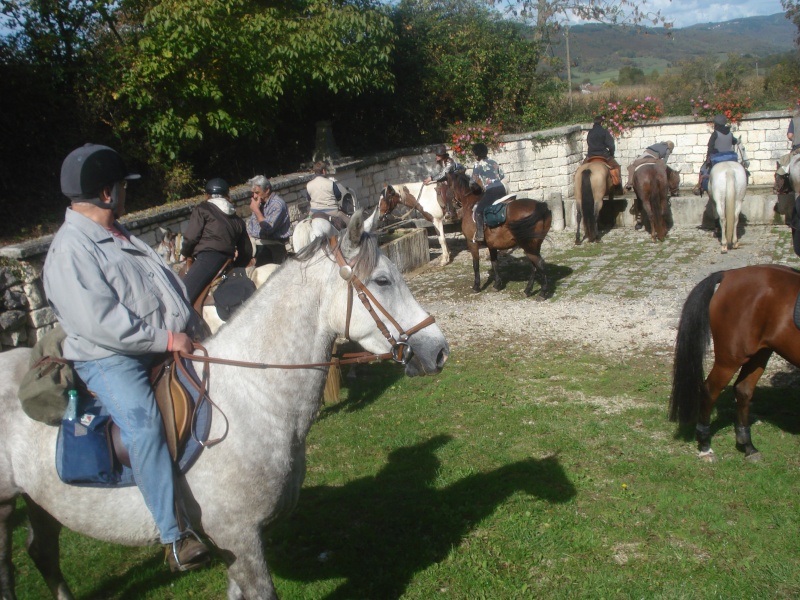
(623, 115)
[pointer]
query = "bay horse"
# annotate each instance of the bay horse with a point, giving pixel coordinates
(749, 314)
(592, 183)
(526, 225)
(427, 201)
(727, 185)
(253, 477)
(652, 188)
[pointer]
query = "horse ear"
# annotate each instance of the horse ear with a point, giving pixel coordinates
(355, 228)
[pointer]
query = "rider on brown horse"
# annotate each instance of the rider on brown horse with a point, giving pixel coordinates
(654, 153)
(488, 174)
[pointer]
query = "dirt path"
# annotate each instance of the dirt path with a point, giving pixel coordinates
(622, 296)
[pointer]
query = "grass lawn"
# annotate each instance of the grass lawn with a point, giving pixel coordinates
(509, 475)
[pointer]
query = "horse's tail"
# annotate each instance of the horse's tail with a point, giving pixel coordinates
(533, 226)
(730, 208)
(587, 205)
(691, 344)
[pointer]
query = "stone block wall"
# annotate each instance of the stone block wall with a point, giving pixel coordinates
(539, 164)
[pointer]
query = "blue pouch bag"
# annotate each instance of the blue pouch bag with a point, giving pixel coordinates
(84, 452)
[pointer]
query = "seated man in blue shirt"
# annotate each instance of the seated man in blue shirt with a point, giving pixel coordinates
(269, 221)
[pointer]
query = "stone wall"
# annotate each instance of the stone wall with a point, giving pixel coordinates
(540, 164)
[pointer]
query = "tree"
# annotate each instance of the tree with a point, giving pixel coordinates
(630, 76)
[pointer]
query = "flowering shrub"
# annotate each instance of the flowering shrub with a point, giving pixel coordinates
(464, 135)
(622, 115)
(727, 103)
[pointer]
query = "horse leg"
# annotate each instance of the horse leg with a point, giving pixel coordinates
(498, 283)
(537, 265)
(717, 379)
(476, 265)
(743, 390)
(43, 549)
(248, 573)
(439, 225)
(6, 566)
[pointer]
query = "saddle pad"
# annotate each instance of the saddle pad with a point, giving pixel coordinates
(645, 162)
(797, 312)
(123, 476)
(723, 157)
(495, 215)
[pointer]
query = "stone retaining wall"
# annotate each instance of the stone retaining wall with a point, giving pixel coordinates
(538, 164)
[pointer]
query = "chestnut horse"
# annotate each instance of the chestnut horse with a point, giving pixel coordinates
(592, 183)
(651, 184)
(749, 313)
(526, 225)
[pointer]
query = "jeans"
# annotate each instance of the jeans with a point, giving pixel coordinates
(122, 384)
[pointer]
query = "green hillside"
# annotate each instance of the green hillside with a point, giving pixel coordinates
(598, 51)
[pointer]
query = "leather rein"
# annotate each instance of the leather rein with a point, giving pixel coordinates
(401, 351)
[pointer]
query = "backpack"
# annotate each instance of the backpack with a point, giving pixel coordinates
(235, 288)
(43, 390)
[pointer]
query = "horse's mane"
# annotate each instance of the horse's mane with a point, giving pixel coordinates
(365, 261)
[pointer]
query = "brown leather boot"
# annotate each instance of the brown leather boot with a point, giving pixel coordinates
(187, 554)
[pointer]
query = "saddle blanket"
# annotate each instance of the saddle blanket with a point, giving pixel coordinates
(84, 455)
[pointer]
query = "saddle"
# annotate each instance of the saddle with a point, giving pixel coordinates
(616, 176)
(337, 222)
(175, 405)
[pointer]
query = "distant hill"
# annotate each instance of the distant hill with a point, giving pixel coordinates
(595, 48)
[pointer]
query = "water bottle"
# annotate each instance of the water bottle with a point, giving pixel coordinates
(71, 413)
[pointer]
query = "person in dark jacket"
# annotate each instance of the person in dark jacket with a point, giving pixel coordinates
(214, 235)
(721, 140)
(600, 142)
(659, 151)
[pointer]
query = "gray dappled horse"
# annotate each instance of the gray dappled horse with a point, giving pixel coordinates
(254, 476)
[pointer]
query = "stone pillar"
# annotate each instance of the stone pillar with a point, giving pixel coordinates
(557, 208)
(325, 146)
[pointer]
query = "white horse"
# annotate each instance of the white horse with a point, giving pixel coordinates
(422, 198)
(308, 230)
(254, 476)
(727, 185)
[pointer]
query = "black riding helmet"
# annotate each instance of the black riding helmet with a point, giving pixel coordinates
(217, 187)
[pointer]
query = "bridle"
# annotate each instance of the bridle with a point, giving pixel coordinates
(401, 351)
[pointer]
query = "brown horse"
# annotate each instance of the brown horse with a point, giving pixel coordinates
(749, 316)
(651, 184)
(526, 225)
(592, 183)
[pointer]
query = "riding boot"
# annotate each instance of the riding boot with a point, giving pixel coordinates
(478, 228)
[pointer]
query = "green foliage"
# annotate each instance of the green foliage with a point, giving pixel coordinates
(458, 61)
(203, 67)
(630, 76)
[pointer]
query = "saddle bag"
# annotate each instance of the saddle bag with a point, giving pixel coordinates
(84, 453)
(43, 390)
(494, 215)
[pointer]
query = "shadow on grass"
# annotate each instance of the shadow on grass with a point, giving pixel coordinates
(377, 532)
(363, 385)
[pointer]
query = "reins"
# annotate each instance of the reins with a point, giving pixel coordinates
(401, 351)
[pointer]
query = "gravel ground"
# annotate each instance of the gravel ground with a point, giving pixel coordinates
(622, 296)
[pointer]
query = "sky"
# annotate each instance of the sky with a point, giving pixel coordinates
(683, 13)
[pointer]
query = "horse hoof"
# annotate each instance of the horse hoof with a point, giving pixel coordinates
(725, 250)
(754, 457)
(476, 289)
(707, 456)
(736, 246)
(541, 298)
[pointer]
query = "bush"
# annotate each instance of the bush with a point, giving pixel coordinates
(623, 115)
(732, 104)
(464, 135)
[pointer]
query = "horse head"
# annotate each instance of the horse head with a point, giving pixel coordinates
(673, 180)
(387, 318)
